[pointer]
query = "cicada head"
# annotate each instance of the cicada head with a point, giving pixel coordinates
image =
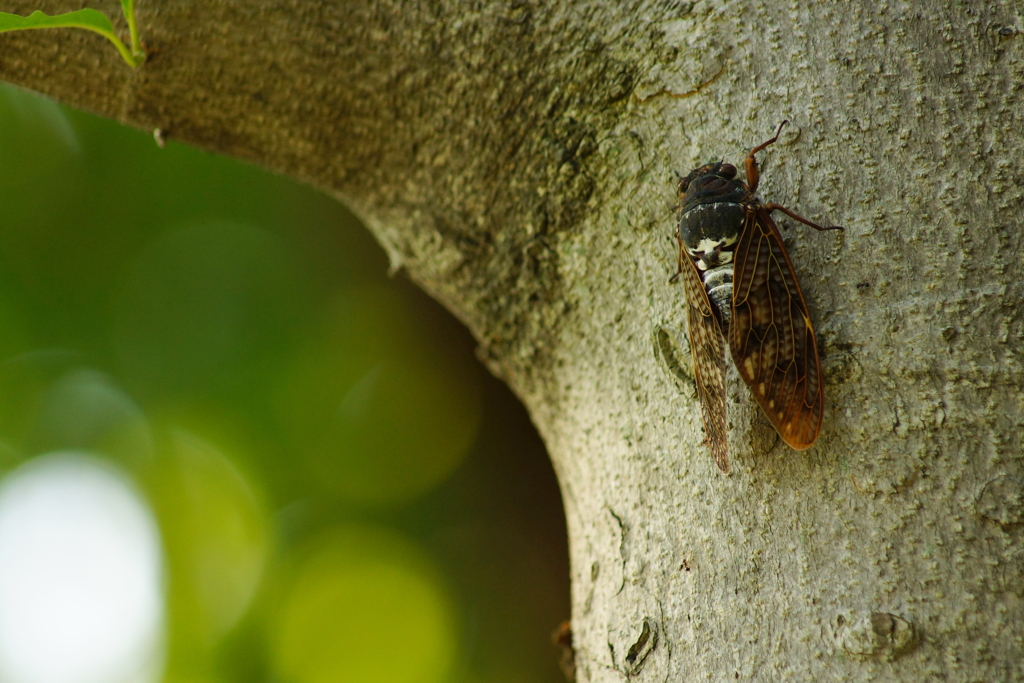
(711, 183)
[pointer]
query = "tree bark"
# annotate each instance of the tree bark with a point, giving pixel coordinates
(516, 160)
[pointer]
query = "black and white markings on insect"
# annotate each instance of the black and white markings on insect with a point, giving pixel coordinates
(740, 284)
(710, 223)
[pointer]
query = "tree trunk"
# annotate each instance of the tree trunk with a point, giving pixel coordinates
(516, 160)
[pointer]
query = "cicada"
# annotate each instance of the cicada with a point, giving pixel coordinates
(740, 283)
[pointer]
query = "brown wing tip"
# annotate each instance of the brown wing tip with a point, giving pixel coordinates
(722, 460)
(800, 442)
(720, 452)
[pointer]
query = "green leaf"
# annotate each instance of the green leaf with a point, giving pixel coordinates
(88, 19)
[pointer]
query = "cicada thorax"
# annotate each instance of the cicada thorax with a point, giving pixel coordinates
(711, 218)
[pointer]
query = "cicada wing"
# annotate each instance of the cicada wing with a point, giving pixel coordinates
(771, 336)
(707, 349)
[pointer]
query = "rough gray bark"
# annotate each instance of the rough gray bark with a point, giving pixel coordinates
(516, 160)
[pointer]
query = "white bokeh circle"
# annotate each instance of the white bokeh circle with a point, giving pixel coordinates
(81, 578)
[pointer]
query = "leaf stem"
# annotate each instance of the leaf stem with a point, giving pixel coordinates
(128, 7)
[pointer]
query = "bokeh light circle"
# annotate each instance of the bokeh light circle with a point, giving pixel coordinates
(364, 605)
(380, 411)
(81, 595)
(216, 534)
(205, 306)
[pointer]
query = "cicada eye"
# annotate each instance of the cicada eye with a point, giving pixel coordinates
(727, 171)
(684, 183)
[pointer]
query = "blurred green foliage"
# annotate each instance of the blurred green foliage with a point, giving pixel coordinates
(342, 493)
